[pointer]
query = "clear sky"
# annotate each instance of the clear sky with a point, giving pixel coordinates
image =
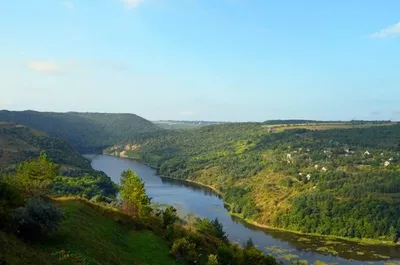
(234, 60)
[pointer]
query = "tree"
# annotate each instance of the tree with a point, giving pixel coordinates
(212, 260)
(182, 248)
(218, 229)
(249, 243)
(169, 216)
(213, 227)
(136, 202)
(35, 176)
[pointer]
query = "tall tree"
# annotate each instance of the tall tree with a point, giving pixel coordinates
(136, 202)
(35, 176)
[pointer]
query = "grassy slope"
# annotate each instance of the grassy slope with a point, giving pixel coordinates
(92, 235)
(19, 143)
(87, 132)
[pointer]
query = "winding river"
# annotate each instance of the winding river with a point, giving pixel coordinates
(285, 246)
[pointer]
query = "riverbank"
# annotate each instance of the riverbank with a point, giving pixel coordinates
(369, 242)
(364, 241)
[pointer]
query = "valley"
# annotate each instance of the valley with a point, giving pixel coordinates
(299, 180)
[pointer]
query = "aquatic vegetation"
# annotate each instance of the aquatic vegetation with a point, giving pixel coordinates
(318, 262)
(290, 256)
(304, 239)
(381, 256)
(327, 250)
(300, 262)
(277, 250)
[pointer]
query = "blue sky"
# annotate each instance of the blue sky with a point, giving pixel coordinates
(234, 60)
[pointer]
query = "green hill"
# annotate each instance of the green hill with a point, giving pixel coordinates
(76, 176)
(18, 143)
(338, 179)
(89, 235)
(87, 132)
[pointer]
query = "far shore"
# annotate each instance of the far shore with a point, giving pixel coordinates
(362, 241)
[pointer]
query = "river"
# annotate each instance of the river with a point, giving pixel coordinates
(285, 246)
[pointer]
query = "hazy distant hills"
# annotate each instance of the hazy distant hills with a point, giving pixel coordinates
(87, 132)
(19, 143)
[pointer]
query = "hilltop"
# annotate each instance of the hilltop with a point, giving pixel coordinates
(86, 132)
(324, 178)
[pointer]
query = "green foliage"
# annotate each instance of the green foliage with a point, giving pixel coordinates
(87, 132)
(89, 234)
(253, 256)
(263, 175)
(213, 227)
(183, 249)
(134, 194)
(19, 143)
(10, 198)
(169, 216)
(35, 176)
(87, 185)
(212, 260)
(37, 218)
(249, 244)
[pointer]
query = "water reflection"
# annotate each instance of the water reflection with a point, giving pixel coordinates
(191, 186)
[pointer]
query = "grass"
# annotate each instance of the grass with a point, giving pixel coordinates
(92, 235)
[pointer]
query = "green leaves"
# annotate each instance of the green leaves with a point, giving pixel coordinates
(134, 194)
(35, 176)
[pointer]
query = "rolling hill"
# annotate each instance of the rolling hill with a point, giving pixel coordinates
(19, 143)
(338, 179)
(86, 132)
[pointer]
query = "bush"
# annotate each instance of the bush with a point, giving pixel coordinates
(10, 198)
(213, 228)
(169, 216)
(212, 260)
(183, 249)
(37, 218)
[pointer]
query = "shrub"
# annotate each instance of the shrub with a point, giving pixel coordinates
(37, 218)
(10, 198)
(213, 228)
(185, 250)
(212, 260)
(169, 216)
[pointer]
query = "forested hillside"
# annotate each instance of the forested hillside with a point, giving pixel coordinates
(75, 174)
(87, 132)
(19, 143)
(342, 181)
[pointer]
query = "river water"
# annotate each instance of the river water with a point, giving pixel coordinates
(285, 246)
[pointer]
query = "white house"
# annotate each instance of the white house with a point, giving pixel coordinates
(367, 153)
(391, 159)
(387, 163)
(308, 177)
(316, 166)
(289, 156)
(300, 174)
(324, 169)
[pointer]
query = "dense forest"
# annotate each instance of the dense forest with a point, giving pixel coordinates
(86, 132)
(342, 181)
